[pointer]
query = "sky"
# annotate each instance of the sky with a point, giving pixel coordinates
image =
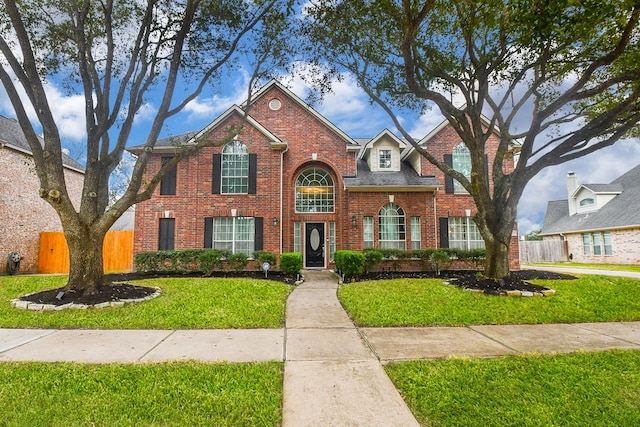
(348, 107)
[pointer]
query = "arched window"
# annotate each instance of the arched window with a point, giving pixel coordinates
(461, 162)
(314, 191)
(392, 227)
(235, 168)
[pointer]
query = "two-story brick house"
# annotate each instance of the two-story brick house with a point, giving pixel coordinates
(294, 182)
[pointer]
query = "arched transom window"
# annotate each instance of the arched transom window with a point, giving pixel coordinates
(461, 162)
(235, 168)
(392, 228)
(314, 191)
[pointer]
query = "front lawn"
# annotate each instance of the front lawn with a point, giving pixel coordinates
(169, 394)
(579, 389)
(185, 303)
(428, 302)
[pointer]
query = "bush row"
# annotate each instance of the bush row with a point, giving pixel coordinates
(198, 260)
(354, 263)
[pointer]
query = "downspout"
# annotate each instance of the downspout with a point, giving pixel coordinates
(281, 191)
(435, 219)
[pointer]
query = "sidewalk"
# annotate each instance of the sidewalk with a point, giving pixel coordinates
(333, 370)
(576, 270)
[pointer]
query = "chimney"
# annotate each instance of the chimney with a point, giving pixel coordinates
(572, 186)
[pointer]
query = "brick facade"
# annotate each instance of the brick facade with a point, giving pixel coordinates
(625, 246)
(24, 213)
(310, 141)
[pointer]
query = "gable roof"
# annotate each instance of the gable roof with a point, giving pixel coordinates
(11, 136)
(367, 144)
(352, 145)
(623, 211)
(407, 179)
(170, 143)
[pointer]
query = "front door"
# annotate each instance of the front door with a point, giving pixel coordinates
(314, 245)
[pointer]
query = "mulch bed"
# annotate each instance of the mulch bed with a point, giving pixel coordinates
(121, 291)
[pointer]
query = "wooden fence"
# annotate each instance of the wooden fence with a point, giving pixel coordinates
(117, 252)
(543, 251)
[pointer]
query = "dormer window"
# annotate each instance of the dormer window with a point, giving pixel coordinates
(587, 202)
(385, 159)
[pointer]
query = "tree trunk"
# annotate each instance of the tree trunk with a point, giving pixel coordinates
(86, 270)
(497, 259)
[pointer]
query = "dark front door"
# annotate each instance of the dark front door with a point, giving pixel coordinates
(314, 246)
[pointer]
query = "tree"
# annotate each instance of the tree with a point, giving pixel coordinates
(555, 80)
(533, 235)
(118, 55)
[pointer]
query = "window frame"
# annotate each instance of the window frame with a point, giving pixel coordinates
(234, 168)
(314, 191)
(169, 182)
(460, 154)
(463, 233)
(392, 225)
(233, 230)
(416, 233)
(166, 234)
(586, 244)
(368, 232)
(385, 157)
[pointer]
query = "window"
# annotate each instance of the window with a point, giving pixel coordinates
(332, 240)
(385, 159)
(368, 231)
(415, 233)
(597, 246)
(464, 233)
(235, 234)
(586, 244)
(168, 182)
(392, 227)
(587, 202)
(235, 168)
(461, 162)
(608, 244)
(297, 240)
(314, 191)
(166, 234)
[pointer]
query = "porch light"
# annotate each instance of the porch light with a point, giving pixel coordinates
(275, 221)
(354, 221)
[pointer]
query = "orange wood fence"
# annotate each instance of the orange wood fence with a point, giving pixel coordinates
(117, 252)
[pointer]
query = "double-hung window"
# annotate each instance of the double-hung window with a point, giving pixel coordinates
(461, 162)
(234, 234)
(385, 159)
(464, 233)
(235, 168)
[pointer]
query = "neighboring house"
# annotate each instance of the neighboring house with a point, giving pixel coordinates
(600, 222)
(23, 214)
(294, 182)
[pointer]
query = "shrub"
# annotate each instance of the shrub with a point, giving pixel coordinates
(290, 263)
(212, 260)
(440, 259)
(372, 257)
(238, 261)
(350, 263)
(263, 256)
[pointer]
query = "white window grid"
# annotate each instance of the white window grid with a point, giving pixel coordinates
(461, 162)
(392, 227)
(586, 244)
(235, 234)
(235, 168)
(368, 231)
(314, 191)
(464, 233)
(416, 234)
(385, 159)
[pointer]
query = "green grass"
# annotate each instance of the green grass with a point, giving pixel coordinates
(185, 303)
(579, 389)
(170, 394)
(612, 267)
(427, 302)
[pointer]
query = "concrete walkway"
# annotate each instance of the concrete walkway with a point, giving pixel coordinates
(333, 370)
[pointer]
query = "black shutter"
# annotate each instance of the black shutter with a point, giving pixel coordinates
(253, 169)
(168, 182)
(208, 232)
(258, 242)
(166, 235)
(448, 180)
(217, 174)
(444, 232)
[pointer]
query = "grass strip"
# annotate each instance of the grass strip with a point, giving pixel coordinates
(185, 303)
(579, 389)
(612, 267)
(173, 394)
(427, 302)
